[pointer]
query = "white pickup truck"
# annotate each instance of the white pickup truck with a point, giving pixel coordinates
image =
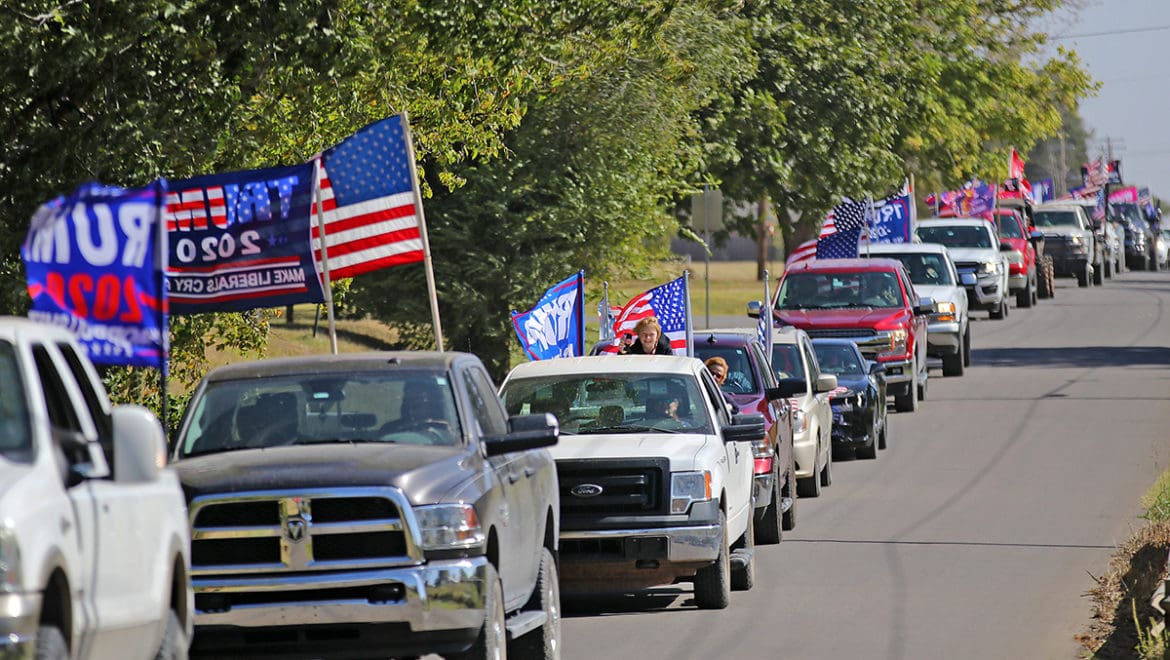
(655, 472)
(94, 542)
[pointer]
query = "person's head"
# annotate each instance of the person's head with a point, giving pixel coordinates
(718, 368)
(648, 332)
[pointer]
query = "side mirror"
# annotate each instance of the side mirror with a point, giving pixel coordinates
(525, 432)
(745, 428)
(826, 383)
(877, 368)
(753, 308)
(140, 449)
(968, 279)
(925, 306)
(791, 387)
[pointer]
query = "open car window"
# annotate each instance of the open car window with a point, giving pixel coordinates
(612, 402)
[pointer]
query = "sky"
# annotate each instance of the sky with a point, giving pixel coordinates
(1125, 45)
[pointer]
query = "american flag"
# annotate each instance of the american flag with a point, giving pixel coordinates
(848, 218)
(668, 302)
(368, 199)
(807, 250)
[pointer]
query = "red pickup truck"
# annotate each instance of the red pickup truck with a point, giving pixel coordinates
(873, 303)
(1022, 271)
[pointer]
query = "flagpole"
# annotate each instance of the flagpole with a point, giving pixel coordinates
(766, 310)
(422, 231)
(324, 257)
(913, 220)
(690, 325)
(868, 226)
(603, 315)
(581, 312)
(161, 256)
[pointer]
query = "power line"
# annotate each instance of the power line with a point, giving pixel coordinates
(1110, 32)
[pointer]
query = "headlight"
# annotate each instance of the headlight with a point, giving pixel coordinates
(988, 267)
(688, 487)
(799, 421)
(1075, 239)
(1015, 257)
(946, 311)
(448, 527)
(898, 338)
(9, 561)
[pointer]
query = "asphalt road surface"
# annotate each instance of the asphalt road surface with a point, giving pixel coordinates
(977, 533)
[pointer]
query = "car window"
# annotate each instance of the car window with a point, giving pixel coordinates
(925, 268)
(786, 362)
(740, 377)
(818, 290)
(956, 236)
(1056, 218)
(767, 375)
(1009, 227)
(838, 359)
(484, 403)
(722, 414)
(407, 407)
(810, 361)
(15, 434)
(612, 402)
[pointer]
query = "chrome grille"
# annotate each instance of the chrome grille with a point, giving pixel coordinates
(614, 487)
(842, 333)
(296, 531)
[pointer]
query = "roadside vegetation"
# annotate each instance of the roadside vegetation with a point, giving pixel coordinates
(1123, 621)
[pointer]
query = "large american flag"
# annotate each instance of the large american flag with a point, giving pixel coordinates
(853, 216)
(668, 302)
(368, 199)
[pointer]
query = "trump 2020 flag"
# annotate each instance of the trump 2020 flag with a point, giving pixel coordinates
(848, 218)
(670, 303)
(94, 262)
(368, 196)
(555, 327)
(892, 218)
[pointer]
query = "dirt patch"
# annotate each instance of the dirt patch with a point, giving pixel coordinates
(1134, 573)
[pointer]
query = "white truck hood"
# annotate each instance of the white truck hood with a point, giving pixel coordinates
(973, 254)
(11, 474)
(937, 292)
(681, 449)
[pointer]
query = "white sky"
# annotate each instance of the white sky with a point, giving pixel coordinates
(1132, 63)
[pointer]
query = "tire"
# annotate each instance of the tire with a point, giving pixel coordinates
(544, 643)
(870, 450)
(174, 643)
(788, 521)
(827, 470)
(1109, 268)
(1047, 278)
(1083, 277)
(769, 528)
(882, 439)
(953, 364)
(921, 387)
(967, 347)
(1025, 298)
(1099, 274)
(713, 583)
(1000, 311)
(491, 643)
(907, 402)
(811, 486)
(51, 644)
(1153, 262)
(743, 579)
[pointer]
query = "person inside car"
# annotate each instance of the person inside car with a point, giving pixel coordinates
(650, 340)
(718, 368)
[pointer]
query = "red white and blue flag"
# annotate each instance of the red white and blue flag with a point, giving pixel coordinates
(669, 303)
(368, 197)
(855, 212)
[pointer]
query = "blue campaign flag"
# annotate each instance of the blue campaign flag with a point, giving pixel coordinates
(94, 262)
(241, 240)
(891, 219)
(555, 327)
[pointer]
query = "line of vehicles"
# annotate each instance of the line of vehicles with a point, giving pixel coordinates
(400, 504)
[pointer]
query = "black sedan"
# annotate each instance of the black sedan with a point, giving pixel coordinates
(859, 402)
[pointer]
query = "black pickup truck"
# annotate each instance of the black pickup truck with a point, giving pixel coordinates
(368, 504)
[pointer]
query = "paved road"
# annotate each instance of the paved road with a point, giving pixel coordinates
(976, 533)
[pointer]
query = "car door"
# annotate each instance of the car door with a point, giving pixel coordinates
(781, 435)
(740, 462)
(821, 410)
(517, 530)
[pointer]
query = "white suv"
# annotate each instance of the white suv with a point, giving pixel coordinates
(975, 248)
(793, 359)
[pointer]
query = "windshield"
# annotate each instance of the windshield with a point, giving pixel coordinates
(1130, 212)
(740, 378)
(1009, 227)
(612, 402)
(839, 290)
(410, 407)
(924, 267)
(786, 361)
(1056, 219)
(838, 359)
(15, 436)
(956, 236)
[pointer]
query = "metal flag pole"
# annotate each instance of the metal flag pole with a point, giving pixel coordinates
(869, 226)
(422, 232)
(328, 285)
(162, 261)
(605, 326)
(766, 313)
(690, 335)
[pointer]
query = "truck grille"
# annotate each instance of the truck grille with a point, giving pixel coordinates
(614, 487)
(842, 333)
(967, 266)
(295, 531)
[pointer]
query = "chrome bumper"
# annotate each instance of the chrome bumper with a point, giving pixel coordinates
(762, 490)
(684, 544)
(1017, 282)
(943, 338)
(438, 595)
(19, 614)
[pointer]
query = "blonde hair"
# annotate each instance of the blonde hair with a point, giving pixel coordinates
(648, 322)
(716, 360)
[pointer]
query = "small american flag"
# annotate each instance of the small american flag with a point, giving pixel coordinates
(368, 199)
(668, 302)
(807, 251)
(848, 218)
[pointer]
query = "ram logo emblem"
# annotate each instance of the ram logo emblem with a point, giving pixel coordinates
(295, 529)
(586, 490)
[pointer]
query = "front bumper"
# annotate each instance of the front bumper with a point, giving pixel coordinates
(804, 452)
(434, 596)
(1017, 282)
(850, 422)
(986, 293)
(18, 625)
(943, 338)
(762, 490)
(690, 544)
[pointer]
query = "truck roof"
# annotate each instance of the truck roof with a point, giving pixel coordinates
(846, 265)
(650, 364)
(431, 360)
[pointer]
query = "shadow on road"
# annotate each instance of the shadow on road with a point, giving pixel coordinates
(640, 602)
(1080, 357)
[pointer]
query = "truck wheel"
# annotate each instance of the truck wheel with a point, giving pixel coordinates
(882, 437)
(870, 450)
(744, 578)
(1099, 274)
(1083, 277)
(827, 470)
(1050, 276)
(811, 486)
(999, 311)
(491, 642)
(953, 364)
(907, 402)
(174, 643)
(788, 522)
(1024, 298)
(51, 644)
(967, 347)
(769, 528)
(544, 642)
(713, 583)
